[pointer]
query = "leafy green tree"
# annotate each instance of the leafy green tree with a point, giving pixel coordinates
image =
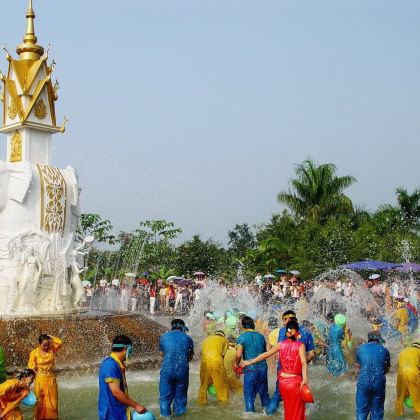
(317, 192)
(158, 250)
(197, 255)
(93, 224)
(241, 239)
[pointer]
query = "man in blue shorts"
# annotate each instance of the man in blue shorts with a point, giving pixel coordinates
(250, 345)
(306, 338)
(114, 402)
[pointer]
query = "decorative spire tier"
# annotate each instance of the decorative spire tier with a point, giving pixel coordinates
(29, 99)
(29, 50)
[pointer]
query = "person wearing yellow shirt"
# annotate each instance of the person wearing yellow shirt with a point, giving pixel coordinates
(408, 377)
(42, 361)
(235, 385)
(12, 392)
(212, 368)
(401, 317)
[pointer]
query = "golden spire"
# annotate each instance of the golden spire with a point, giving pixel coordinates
(29, 50)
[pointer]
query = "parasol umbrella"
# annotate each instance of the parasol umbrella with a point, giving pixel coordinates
(281, 271)
(85, 283)
(199, 274)
(374, 276)
(269, 276)
(407, 267)
(295, 272)
(184, 282)
(178, 279)
(171, 278)
(370, 265)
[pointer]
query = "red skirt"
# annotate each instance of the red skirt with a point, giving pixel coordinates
(294, 407)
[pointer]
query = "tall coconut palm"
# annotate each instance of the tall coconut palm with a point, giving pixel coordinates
(409, 203)
(317, 192)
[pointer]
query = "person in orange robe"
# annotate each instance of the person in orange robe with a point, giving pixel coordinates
(42, 361)
(12, 392)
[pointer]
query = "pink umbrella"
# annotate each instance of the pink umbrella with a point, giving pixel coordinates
(199, 274)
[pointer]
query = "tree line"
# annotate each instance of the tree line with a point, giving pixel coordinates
(320, 228)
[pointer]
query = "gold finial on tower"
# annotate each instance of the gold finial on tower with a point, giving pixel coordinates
(29, 50)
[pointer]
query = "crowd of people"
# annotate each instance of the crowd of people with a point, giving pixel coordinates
(172, 297)
(236, 345)
(238, 351)
(142, 295)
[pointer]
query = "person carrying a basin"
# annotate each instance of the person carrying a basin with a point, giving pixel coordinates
(408, 377)
(12, 392)
(114, 402)
(372, 362)
(251, 344)
(42, 361)
(177, 350)
(293, 374)
(212, 368)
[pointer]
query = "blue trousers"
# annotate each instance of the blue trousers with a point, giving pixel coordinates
(275, 401)
(255, 382)
(370, 398)
(173, 388)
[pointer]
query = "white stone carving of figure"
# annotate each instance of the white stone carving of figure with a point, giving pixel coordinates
(29, 274)
(16, 255)
(76, 283)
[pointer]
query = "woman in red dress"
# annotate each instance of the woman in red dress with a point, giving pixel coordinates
(293, 372)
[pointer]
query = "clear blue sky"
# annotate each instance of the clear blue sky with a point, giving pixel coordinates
(196, 111)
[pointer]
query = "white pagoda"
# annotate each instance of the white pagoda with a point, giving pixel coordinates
(40, 258)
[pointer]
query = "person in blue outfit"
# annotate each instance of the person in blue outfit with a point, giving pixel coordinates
(251, 344)
(373, 363)
(114, 402)
(306, 338)
(412, 317)
(177, 349)
(336, 362)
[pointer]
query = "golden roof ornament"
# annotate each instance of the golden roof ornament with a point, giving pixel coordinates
(30, 50)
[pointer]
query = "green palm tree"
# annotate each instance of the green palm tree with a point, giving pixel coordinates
(409, 203)
(317, 192)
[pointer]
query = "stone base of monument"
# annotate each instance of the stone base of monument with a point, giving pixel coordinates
(86, 339)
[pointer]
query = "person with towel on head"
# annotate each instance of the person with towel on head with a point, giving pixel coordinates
(114, 402)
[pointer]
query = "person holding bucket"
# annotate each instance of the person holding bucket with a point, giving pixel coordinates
(12, 392)
(114, 402)
(293, 376)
